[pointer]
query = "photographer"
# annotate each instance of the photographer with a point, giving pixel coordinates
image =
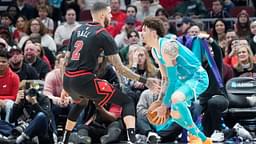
(34, 109)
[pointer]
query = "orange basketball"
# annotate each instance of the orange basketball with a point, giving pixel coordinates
(152, 116)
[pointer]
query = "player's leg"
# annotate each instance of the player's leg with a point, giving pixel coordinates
(72, 117)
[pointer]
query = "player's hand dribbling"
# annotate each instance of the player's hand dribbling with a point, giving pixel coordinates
(152, 84)
(160, 114)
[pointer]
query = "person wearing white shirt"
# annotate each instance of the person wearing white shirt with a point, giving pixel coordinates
(64, 31)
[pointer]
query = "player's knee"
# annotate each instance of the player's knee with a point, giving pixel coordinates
(175, 114)
(178, 97)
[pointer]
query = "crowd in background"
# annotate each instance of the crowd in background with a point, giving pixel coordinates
(34, 35)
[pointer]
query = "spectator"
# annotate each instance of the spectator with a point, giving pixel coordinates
(252, 39)
(121, 39)
(230, 35)
(228, 5)
(146, 8)
(184, 24)
(7, 36)
(35, 26)
(242, 25)
(213, 100)
(139, 62)
(217, 10)
(43, 11)
(219, 32)
(13, 11)
(246, 65)
(19, 32)
(41, 54)
(3, 44)
(53, 87)
(118, 18)
(64, 31)
(7, 22)
(191, 8)
(163, 13)
(9, 85)
(132, 10)
(194, 30)
(230, 53)
(32, 59)
(26, 9)
(23, 70)
(133, 38)
(35, 111)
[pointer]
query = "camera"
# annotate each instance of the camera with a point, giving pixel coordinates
(30, 89)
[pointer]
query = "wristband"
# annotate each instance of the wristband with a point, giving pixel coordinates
(142, 79)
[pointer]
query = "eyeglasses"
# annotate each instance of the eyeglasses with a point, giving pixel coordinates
(34, 24)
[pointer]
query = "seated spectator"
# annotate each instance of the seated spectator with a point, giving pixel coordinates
(242, 25)
(230, 53)
(41, 54)
(184, 24)
(23, 70)
(64, 31)
(26, 9)
(219, 32)
(118, 18)
(213, 100)
(6, 36)
(20, 29)
(252, 39)
(3, 44)
(217, 10)
(43, 12)
(34, 110)
(228, 5)
(7, 21)
(35, 26)
(31, 58)
(246, 65)
(9, 85)
(191, 8)
(52, 88)
(230, 35)
(140, 63)
(133, 39)
(121, 39)
(146, 8)
(132, 10)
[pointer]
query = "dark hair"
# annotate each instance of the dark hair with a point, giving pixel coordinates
(214, 33)
(98, 6)
(132, 31)
(165, 13)
(155, 24)
(4, 53)
(133, 6)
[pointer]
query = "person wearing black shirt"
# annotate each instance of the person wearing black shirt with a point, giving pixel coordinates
(23, 70)
(80, 82)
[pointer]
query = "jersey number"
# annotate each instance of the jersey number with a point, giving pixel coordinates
(76, 53)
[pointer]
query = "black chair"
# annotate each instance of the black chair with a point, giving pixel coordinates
(240, 110)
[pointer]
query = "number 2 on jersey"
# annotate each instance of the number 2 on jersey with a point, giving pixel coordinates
(76, 53)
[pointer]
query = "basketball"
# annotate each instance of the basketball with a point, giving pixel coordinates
(151, 116)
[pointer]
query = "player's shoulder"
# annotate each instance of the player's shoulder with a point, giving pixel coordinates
(169, 47)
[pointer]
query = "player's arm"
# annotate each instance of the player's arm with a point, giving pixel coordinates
(170, 53)
(115, 60)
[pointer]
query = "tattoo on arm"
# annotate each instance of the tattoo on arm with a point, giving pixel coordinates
(121, 69)
(171, 50)
(164, 82)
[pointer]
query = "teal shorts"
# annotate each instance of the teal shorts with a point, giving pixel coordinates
(194, 86)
